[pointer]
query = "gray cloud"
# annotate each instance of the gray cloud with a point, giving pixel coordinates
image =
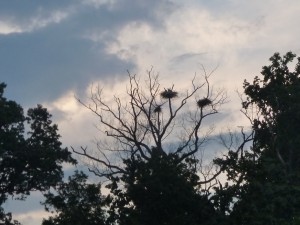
(25, 9)
(41, 64)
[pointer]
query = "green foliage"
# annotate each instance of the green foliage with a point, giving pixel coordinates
(29, 160)
(278, 98)
(76, 203)
(266, 188)
(160, 191)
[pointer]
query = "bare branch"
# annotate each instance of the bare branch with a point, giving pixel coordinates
(113, 168)
(146, 119)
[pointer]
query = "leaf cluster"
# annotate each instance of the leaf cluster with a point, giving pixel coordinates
(30, 159)
(163, 188)
(265, 179)
(75, 202)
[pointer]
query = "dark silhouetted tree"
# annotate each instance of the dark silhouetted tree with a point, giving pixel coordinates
(266, 177)
(162, 191)
(154, 160)
(75, 203)
(29, 160)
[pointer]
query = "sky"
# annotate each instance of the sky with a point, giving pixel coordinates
(52, 51)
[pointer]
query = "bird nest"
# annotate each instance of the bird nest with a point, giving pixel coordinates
(157, 109)
(204, 102)
(169, 93)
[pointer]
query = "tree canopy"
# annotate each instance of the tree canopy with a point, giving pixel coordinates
(162, 191)
(31, 155)
(266, 177)
(153, 182)
(75, 203)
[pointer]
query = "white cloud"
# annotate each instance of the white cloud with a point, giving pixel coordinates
(31, 217)
(8, 28)
(239, 41)
(98, 3)
(29, 211)
(185, 32)
(77, 124)
(40, 20)
(74, 120)
(253, 29)
(188, 39)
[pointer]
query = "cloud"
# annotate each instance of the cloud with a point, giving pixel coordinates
(98, 3)
(33, 217)
(28, 212)
(185, 31)
(8, 28)
(189, 39)
(237, 37)
(52, 48)
(73, 119)
(237, 40)
(36, 18)
(52, 61)
(59, 54)
(73, 44)
(41, 21)
(201, 39)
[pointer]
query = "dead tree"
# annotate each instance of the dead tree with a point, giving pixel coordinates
(150, 119)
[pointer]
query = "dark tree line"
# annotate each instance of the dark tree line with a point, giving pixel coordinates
(30, 159)
(76, 202)
(152, 160)
(265, 178)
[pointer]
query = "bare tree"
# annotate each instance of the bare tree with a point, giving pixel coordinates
(151, 119)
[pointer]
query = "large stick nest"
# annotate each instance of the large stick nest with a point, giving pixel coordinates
(169, 93)
(157, 109)
(204, 102)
